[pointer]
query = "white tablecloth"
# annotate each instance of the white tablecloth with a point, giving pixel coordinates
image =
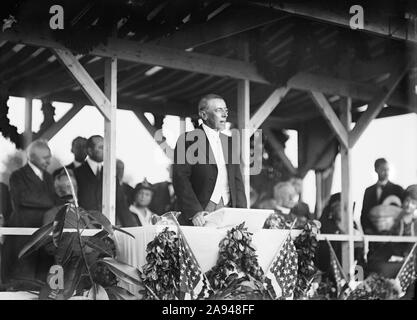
(203, 241)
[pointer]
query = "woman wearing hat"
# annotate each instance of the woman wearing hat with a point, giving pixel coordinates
(139, 211)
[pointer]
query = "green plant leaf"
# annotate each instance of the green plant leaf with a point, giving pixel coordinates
(100, 218)
(97, 292)
(98, 245)
(123, 271)
(38, 236)
(123, 231)
(58, 225)
(121, 293)
(72, 275)
(67, 247)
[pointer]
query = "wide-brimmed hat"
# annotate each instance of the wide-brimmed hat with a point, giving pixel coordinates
(144, 185)
(411, 192)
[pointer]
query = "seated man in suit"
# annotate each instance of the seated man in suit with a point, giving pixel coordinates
(32, 193)
(375, 194)
(207, 180)
(78, 148)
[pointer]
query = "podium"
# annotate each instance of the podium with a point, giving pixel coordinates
(230, 217)
(204, 241)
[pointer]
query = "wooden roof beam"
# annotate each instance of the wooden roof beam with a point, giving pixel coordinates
(376, 105)
(279, 149)
(331, 117)
(227, 24)
(266, 108)
(339, 15)
(87, 84)
(50, 132)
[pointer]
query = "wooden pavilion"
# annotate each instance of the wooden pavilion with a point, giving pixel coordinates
(279, 65)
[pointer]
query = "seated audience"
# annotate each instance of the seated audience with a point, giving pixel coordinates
(285, 198)
(387, 258)
(377, 193)
(330, 224)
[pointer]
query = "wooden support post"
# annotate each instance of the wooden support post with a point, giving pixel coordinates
(331, 118)
(49, 133)
(319, 194)
(109, 164)
(346, 197)
(266, 108)
(28, 121)
(279, 149)
(243, 121)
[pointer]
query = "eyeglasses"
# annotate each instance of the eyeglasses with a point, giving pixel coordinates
(221, 110)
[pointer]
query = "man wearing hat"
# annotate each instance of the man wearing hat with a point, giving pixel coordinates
(139, 213)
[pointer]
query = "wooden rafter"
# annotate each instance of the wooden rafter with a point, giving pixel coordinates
(225, 25)
(331, 117)
(50, 132)
(266, 108)
(376, 105)
(141, 117)
(339, 14)
(87, 84)
(279, 149)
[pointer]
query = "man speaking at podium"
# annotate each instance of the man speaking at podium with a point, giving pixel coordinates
(205, 177)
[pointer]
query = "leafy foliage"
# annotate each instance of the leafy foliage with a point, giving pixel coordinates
(376, 287)
(237, 274)
(161, 272)
(88, 262)
(306, 244)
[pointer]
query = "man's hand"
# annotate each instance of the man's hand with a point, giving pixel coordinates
(198, 219)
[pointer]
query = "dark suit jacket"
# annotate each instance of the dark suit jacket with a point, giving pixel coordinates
(5, 203)
(89, 187)
(31, 197)
(370, 201)
(194, 182)
(90, 194)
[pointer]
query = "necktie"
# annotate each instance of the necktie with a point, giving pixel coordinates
(98, 173)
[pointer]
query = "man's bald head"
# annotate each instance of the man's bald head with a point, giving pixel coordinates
(285, 194)
(39, 154)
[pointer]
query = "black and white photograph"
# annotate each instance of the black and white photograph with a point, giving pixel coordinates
(225, 151)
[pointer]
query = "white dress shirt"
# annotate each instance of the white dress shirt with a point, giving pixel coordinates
(144, 215)
(379, 186)
(95, 166)
(76, 163)
(36, 170)
(221, 188)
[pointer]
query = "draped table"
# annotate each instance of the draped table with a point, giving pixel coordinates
(204, 242)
